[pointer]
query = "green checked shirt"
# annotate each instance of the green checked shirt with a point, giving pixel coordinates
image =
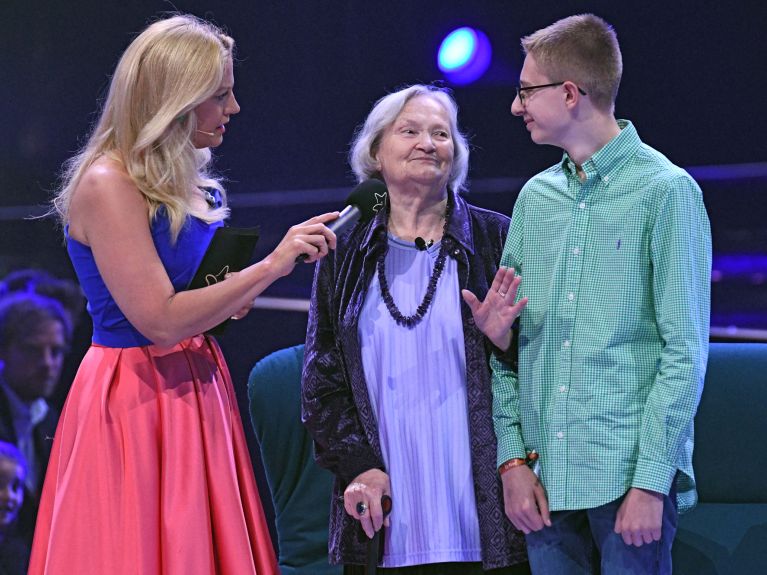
(614, 340)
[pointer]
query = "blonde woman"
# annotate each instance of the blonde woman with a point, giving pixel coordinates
(150, 472)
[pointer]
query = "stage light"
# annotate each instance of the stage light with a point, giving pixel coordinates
(464, 55)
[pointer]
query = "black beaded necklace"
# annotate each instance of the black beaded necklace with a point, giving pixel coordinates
(413, 320)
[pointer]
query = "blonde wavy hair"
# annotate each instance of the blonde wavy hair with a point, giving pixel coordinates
(147, 123)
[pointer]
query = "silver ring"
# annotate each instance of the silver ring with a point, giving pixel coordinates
(362, 508)
(502, 293)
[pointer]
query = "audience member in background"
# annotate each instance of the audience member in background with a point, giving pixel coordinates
(32, 280)
(150, 471)
(69, 294)
(14, 550)
(396, 382)
(35, 333)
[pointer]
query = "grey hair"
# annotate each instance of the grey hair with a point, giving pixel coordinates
(367, 138)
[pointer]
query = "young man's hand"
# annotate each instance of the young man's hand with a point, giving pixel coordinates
(525, 500)
(640, 517)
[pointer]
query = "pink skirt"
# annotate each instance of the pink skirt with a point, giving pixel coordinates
(150, 472)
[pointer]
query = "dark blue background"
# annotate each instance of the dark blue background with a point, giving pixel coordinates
(307, 74)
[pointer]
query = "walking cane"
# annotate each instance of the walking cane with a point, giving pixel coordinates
(375, 545)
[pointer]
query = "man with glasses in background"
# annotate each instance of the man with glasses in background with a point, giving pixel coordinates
(614, 247)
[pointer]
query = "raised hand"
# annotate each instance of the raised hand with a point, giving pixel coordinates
(498, 311)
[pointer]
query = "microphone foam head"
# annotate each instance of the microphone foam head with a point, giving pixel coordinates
(370, 197)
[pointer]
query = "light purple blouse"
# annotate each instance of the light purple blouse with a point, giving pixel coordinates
(416, 379)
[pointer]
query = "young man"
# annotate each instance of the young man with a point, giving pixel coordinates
(614, 246)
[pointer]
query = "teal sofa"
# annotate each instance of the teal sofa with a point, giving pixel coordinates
(726, 534)
(300, 489)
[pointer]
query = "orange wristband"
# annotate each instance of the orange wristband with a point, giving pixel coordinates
(516, 462)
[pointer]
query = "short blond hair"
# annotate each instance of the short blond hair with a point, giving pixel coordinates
(147, 123)
(583, 49)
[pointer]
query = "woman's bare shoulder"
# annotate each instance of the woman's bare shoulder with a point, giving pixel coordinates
(105, 192)
(104, 176)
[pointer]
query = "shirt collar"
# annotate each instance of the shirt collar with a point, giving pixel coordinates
(459, 228)
(611, 156)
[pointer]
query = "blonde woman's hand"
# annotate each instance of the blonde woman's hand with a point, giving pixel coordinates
(312, 238)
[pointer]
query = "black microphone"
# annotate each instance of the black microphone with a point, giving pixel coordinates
(422, 244)
(365, 201)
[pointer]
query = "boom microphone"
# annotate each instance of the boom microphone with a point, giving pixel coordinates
(365, 201)
(206, 133)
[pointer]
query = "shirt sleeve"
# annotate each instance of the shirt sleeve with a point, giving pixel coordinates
(505, 382)
(681, 260)
(327, 404)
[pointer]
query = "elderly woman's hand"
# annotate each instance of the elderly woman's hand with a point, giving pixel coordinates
(362, 500)
(495, 315)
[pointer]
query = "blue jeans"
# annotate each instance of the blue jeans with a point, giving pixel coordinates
(583, 543)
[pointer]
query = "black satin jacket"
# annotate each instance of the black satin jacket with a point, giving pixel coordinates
(335, 404)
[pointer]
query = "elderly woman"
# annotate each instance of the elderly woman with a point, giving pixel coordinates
(396, 383)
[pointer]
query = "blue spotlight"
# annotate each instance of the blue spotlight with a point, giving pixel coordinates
(464, 55)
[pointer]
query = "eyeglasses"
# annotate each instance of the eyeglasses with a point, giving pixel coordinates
(522, 89)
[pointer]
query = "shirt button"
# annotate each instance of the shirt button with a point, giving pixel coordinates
(582, 205)
(606, 179)
(566, 343)
(562, 388)
(571, 296)
(456, 251)
(560, 435)
(576, 251)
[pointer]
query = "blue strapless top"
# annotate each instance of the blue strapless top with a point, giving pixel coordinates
(110, 326)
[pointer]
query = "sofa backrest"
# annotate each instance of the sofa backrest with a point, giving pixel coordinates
(730, 458)
(300, 490)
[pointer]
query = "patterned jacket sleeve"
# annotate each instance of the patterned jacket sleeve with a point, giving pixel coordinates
(327, 402)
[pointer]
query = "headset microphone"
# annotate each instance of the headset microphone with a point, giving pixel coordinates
(206, 133)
